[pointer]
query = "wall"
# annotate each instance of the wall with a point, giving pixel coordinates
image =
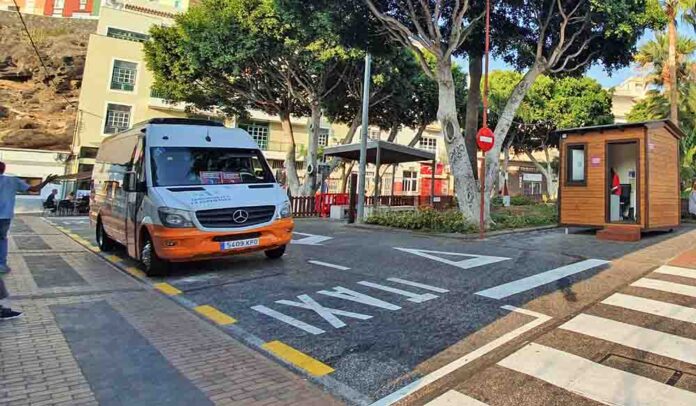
(663, 158)
(33, 164)
(585, 205)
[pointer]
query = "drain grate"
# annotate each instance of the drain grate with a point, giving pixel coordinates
(667, 375)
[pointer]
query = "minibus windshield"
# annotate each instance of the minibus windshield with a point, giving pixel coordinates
(185, 166)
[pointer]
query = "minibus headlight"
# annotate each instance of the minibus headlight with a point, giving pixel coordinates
(175, 218)
(285, 210)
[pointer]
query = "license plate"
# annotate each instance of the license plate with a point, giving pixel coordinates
(231, 245)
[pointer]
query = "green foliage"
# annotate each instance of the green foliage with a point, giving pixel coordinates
(452, 221)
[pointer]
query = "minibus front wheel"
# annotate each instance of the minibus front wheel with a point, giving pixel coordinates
(153, 264)
(275, 253)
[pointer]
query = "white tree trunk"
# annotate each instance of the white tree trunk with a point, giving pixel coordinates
(504, 124)
(465, 184)
(293, 181)
(311, 171)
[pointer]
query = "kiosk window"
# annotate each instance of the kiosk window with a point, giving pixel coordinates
(576, 165)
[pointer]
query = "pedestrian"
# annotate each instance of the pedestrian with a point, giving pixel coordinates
(692, 200)
(9, 186)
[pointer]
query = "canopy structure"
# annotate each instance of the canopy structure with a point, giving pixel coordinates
(384, 153)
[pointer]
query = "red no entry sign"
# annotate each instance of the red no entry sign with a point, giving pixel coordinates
(485, 139)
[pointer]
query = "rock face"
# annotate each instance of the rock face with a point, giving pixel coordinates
(38, 108)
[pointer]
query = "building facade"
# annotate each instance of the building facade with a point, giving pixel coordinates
(626, 95)
(79, 8)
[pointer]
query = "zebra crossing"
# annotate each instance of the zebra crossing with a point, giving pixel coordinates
(665, 298)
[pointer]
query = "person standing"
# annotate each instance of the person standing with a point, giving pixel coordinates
(9, 187)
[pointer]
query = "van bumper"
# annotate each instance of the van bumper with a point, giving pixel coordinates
(191, 244)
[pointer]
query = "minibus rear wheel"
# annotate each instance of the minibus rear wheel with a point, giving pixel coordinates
(104, 242)
(152, 263)
(275, 253)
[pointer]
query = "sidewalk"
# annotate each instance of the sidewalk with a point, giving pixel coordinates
(93, 335)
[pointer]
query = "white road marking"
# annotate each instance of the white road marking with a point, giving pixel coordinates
(347, 294)
(328, 265)
(310, 239)
(412, 297)
(677, 271)
(472, 262)
(418, 285)
(656, 307)
(592, 380)
(326, 313)
(454, 398)
(671, 287)
(289, 320)
(644, 339)
(531, 282)
(460, 362)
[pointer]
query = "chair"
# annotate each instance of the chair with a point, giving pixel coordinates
(48, 207)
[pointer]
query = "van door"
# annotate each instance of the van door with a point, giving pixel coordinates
(134, 199)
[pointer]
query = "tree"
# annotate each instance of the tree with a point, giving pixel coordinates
(550, 104)
(554, 36)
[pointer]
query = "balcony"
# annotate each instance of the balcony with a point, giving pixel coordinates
(157, 101)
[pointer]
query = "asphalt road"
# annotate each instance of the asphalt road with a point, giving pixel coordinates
(373, 305)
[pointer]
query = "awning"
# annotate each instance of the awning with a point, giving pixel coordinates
(389, 153)
(76, 176)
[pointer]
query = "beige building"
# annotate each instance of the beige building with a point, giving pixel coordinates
(626, 95)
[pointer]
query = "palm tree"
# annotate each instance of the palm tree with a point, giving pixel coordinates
(654, 54)
(687, 10)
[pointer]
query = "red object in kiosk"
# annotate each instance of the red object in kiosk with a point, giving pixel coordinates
(485, 139)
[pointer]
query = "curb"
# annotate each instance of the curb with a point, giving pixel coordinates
(225, 323)
(455, 236)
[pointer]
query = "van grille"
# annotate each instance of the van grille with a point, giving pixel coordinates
(225, 218)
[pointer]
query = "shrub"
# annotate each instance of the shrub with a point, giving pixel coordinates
(521, 201)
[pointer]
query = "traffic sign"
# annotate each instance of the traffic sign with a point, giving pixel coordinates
(485, 139)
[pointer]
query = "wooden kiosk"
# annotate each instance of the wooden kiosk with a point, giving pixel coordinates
(645, 159)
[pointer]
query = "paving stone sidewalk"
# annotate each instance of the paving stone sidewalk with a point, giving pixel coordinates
(93, 335)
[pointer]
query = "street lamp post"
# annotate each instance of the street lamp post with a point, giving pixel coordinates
(363, 139)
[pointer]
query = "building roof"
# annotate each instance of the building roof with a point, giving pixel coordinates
(390, 153)
(620, 126)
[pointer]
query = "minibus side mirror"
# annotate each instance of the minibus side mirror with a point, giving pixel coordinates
(131, 184)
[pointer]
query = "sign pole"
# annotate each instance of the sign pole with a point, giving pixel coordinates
(363, 139)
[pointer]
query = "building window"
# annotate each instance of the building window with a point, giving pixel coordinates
(88, 152)
(123, 75)
(323, 137)
(117, 118)
(259, 132)
(84, 184)
(83, 4)
(428, 144)
(127, 35)
(576, 166)
(409, 182)
(30, 182)
(375, 133)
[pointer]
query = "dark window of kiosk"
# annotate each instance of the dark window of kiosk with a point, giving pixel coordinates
(576, 165)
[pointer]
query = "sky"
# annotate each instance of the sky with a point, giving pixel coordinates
(597, 72)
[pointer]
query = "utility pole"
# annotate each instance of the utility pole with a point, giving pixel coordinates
(363, 139)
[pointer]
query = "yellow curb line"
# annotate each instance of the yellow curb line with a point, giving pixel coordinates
(113, 258)
(135, 272)
(215, 315)
(297, 358)
(166, 288)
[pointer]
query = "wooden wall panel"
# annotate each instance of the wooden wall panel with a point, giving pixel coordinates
(663, 155)
(586, 205)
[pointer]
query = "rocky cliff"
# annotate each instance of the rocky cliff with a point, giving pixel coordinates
(37, 108)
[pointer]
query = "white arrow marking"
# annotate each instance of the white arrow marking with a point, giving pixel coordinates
(310, 239)
(326, 313)
(472, 262)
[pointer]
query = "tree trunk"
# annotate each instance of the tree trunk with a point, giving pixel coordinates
(504, 123)
(347, 170)
(673, 85)
(290, 164)
(393, 133)
(465, 184)
(311, 171)
(419, 134)
(471, 125)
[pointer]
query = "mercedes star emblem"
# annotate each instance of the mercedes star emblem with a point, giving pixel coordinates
(240, 216)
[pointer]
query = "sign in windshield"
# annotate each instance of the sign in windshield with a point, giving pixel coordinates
(185, 166)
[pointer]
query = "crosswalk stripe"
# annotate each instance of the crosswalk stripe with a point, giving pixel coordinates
(677, 271)
(671, 287)
(592, 380)
(656, 307)
(645, 339)
(454, 398)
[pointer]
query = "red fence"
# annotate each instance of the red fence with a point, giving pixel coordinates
(320, 205)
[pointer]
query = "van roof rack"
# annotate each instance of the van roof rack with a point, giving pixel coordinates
(183, 121)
